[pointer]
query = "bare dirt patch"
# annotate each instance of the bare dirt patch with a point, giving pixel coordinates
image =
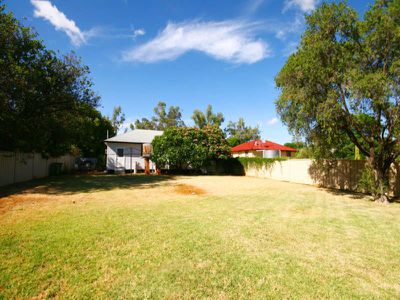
(187, 189)
(24, 200)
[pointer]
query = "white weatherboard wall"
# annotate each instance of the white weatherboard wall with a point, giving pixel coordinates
(18, 167)
(131, 160)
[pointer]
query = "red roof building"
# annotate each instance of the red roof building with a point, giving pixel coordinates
(259, 148)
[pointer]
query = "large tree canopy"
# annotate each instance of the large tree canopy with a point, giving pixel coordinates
(44, 98)
(343, 83)
(208, 118)
(239, 133)
(162, 119)
(117, 119)
(90, 130)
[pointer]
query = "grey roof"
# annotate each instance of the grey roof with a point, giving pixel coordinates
(135, 136)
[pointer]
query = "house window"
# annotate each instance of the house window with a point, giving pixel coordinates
(136, 150)
(120, 152)
(288, 153)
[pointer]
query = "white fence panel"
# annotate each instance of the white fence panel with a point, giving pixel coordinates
(340, 174)
(7, 168)
(23, 167)
(41, 168)
(18, 167)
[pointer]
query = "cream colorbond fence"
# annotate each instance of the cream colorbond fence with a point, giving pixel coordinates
(341, 174)
(18, 167)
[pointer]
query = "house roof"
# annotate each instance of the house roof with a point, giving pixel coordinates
(135, 136)
(261, 145)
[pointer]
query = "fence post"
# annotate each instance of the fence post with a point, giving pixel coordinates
(33, 166)
(15, 166)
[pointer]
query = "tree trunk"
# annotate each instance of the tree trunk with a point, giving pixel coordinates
(381, 180)
(382, 184)
(383, 199)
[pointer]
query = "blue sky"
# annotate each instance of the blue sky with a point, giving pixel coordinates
(186, 53)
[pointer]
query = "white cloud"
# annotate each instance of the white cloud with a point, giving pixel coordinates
(273, 121)
(231, 41)
(304, 5)
(290, 48)
(126, 126)
(138, 32)
(44, 9)
(295, 27)
(107, 32)
(253, 6)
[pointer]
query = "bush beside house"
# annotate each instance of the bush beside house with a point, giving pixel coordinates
(183, 149)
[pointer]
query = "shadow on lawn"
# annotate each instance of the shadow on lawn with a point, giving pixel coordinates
(84, 183)
(351, 194)
(358, 196)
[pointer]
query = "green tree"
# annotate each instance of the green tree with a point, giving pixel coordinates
(303, 151)
(295, 145)
(43, 97)
(239, 133)
(90, 131)
(343, 83)
(162, 119)
(117, 119)
(183, 148)
(144, 123)
(208, 118)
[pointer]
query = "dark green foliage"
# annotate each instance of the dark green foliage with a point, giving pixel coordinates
(230, 166)
(44, 98)
(47, 103)
(342, 85)
(90, 132)
(238, 165)
(162, 118)
(182, 148)
(209, 118)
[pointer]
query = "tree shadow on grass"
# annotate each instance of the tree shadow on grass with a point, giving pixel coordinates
(84, 183)
(351, 194)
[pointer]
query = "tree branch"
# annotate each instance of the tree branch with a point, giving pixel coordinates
(351, 121)
(355, 140)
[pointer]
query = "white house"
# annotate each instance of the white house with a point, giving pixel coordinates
(128, 151)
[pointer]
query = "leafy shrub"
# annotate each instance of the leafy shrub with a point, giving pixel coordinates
(367, 183)
(183, 148)
(230, 166)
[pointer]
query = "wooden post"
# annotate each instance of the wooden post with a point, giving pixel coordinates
(147, 165)
(131, 160)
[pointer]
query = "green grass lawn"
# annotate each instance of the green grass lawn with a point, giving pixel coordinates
(194, 237)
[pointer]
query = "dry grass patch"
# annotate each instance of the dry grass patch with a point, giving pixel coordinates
(144, 237)
(187, 189)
